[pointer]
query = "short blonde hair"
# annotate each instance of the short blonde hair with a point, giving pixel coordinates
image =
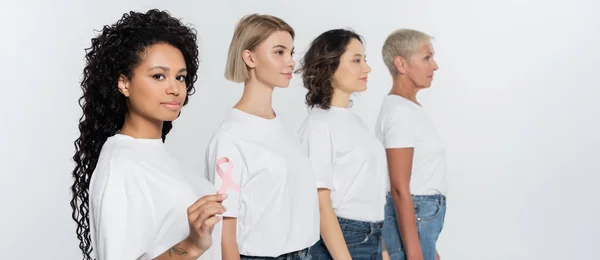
(249, 32)
(403, 43)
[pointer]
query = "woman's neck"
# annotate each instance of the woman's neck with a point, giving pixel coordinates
(340, 98)
(139, 127)
(405, 87)
(257, 99)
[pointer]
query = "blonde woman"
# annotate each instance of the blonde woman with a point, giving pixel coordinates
(272, 207)
(416, 203)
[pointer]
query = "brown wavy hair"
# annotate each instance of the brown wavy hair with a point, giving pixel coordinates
(320, 63)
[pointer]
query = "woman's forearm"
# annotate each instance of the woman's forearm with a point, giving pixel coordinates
(229, 247)
(407, 222)
(331, 231)
(333, 236)
(183, 250)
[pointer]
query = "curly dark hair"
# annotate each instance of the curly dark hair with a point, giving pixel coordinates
(117, 51)
(320, 63)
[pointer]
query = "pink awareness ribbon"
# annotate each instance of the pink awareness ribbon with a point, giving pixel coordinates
(226, 176)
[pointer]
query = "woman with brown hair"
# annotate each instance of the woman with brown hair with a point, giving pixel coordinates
(348, 159)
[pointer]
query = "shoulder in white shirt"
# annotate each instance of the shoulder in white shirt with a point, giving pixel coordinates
(348, 160)
(269, 181)
(139, 199)
(404, 124)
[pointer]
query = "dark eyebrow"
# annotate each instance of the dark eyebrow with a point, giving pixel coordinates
(167, 69)
(360, 55)
(159, 67)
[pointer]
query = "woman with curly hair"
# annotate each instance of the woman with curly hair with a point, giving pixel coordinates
(349, 161)
(272, 210)
(130, 198)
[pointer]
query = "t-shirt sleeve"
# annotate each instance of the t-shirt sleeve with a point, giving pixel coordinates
(399, 128)
(317, 143)
(122, 221)
(226, 169)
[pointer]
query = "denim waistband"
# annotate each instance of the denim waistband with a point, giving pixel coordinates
(363, 226)
(435, 197)
(301, 253)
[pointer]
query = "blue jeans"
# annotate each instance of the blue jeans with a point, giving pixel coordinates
(303, 254)
(362, 238)
(430, 211)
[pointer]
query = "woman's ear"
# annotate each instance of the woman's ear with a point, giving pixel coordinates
(248, 58)
(400, 64)
(123, 85)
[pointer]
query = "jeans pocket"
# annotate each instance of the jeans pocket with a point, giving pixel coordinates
(354, 238)
(302, 255)
(427, 210)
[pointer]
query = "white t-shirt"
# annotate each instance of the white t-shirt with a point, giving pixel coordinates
(348, 160)
(404, 124)
(139, 200)
(270, 184)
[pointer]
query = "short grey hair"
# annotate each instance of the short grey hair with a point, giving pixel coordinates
(403, 43)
